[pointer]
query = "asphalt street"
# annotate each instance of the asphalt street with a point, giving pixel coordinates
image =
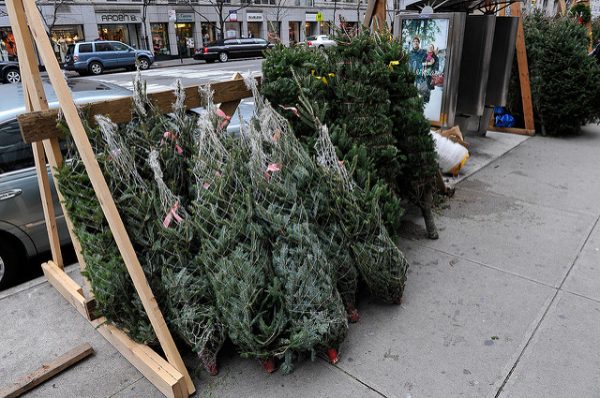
(159, 79)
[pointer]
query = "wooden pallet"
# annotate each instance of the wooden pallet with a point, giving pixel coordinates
(39, 127)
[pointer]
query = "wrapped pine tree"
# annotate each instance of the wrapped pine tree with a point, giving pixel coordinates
(365, 91)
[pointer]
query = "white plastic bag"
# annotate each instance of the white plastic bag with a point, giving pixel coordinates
(451, 156)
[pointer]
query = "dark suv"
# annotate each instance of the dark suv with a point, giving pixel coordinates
(96, 56)
(223, 50)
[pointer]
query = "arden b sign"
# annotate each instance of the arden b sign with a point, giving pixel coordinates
(128, 16)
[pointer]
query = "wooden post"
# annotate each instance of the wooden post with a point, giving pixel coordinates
(515, 11)
(375, 13)
(25, 13)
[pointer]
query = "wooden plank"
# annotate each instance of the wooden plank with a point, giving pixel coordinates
(229, 107)
(379, 15)
(47, 371)
(36, 126)
(158, 371)
(512, 130)
(69, 289)
(515, 10)
(47, 203)
(369, 13)
(102, 191)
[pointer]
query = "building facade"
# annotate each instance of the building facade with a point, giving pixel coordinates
(175, 28)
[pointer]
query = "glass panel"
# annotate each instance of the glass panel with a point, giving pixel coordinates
(101, 47)
(83, 48)
(14, 153)
(119, 47)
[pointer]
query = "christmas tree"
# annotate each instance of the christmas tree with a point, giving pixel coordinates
(365, 93)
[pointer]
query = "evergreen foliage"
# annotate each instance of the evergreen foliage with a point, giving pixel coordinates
(364, 92)
(248, 239)
(565, 81)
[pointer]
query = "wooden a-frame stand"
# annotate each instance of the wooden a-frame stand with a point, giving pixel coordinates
(523, 69)
(39, 128)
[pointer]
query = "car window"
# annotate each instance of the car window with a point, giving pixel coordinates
(231, 42)
(260, 41)
(120, 47)
(85, 48)
(101, 47)
(14, 153)
(311, 38)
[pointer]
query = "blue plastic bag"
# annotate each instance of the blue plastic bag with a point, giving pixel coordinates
(505, 120)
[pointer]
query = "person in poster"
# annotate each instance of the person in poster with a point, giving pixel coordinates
(426, 42)
(416, 60)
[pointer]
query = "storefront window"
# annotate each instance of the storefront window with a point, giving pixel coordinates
(126, 33)
(114, 32)
(8, 46)
(160, 39)
(62, 36)
(311, 29)
(209, 32)
(185, 39)
(294, 32)
(233, 30)
(255, 29)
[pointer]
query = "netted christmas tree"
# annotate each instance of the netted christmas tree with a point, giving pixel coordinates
(246, 239)
(365, 93)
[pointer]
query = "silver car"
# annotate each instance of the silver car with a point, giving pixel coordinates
(22, 226)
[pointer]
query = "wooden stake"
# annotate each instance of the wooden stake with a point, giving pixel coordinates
(515, 11)
(105, 199)
(47, 371)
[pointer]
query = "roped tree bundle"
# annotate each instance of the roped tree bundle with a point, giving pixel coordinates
(242, 238)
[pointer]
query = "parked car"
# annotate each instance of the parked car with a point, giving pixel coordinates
(320, 41)
(9, 72)
(22, 227)
(223, 50)
(96, 56)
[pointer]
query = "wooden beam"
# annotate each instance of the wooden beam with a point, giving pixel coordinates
(229, 107)
(36, 126)
(158, 371)
(69, 289)
(379, 15)
(512, 130)
(102, 191)
(369, 13)
(47, 371)
(515, 11)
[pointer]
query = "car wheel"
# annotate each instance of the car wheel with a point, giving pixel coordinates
(8, 264)
(96, 68)
(12, 76)
(144, 63)
(321, 47)
(223, 57)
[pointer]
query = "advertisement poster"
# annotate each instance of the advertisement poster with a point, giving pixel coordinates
(426, 43)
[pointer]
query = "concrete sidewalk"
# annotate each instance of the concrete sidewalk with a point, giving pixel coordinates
(505, 304)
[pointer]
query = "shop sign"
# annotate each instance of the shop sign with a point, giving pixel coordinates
(172, 15)
(254, 17)
(118, 17)
(185, 17)
(232, 16)
(311, 17)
